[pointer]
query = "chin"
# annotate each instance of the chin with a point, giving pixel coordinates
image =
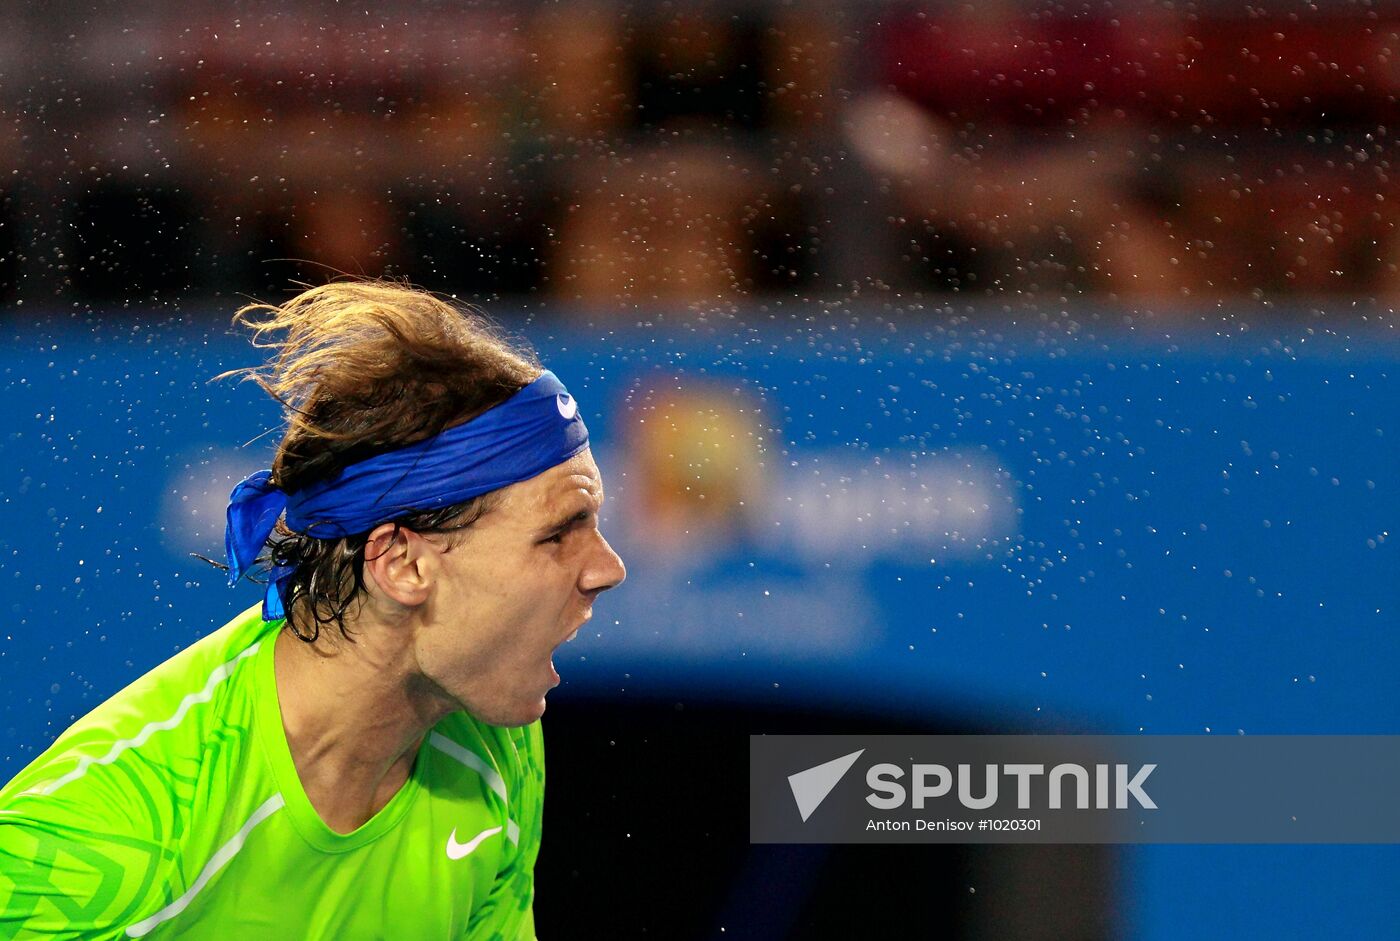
(514, 718)
(526, 716)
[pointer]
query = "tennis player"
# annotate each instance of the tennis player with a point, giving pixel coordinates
(359, 757)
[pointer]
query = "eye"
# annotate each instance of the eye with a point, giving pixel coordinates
(556, 538)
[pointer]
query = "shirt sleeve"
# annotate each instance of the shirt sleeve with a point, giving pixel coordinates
(508, 912)
(59, 879)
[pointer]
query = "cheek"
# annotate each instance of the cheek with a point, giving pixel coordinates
(512, 605)
(546, 575)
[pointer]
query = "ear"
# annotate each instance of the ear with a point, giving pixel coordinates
(397, 560)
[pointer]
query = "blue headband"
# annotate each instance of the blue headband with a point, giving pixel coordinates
(527, 434)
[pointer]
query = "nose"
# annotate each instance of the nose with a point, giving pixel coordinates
(604, 570)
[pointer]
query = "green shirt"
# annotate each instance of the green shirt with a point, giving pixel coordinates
(173, 810)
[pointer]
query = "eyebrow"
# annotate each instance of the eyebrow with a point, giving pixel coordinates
(567, 521)
(580, 516)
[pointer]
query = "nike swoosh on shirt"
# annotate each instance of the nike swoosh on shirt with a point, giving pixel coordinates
(568, 408)
(457, 850)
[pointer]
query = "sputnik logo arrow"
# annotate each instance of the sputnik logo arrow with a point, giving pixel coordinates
(810, 787)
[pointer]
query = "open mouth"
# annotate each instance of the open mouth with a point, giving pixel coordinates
(587, 616)
(566, 640)
(553, 672)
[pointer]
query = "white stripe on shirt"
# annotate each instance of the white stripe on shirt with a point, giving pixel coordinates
(211, 868)
(221, 673)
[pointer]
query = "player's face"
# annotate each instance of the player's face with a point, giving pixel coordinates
(521, 584)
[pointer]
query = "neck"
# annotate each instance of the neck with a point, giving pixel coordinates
(354, 717)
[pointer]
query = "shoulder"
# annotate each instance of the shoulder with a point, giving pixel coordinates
(118, 770)
(87, 828)
(151, 721)
(510, 762)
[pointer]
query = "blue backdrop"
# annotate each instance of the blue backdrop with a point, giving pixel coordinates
(1029, 529)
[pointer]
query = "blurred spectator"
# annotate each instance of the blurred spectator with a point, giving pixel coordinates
(1039, 216)
(702, 153)
(581, 83)
(1140, 153)
(663, 227)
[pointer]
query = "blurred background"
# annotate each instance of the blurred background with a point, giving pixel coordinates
(998, 367)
